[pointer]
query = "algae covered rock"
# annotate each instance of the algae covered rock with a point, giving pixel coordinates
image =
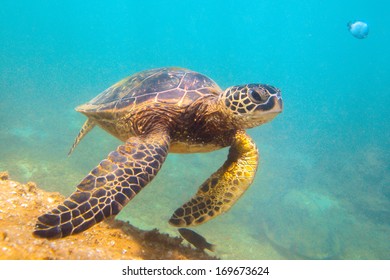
(21, 204)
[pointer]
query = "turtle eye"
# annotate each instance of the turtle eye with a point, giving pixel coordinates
(255, 96)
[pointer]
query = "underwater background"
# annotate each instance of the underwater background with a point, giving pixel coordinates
(322, 190)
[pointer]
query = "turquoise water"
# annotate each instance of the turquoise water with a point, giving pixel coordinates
(323, 187)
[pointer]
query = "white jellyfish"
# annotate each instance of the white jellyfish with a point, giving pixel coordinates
(358, 28)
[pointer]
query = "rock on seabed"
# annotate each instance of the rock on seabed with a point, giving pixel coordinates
(21, 204)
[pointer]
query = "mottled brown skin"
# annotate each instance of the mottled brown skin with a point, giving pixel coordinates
(159, 111)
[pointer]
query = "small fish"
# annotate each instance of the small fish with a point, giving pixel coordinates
(359, 29)
(196, 239)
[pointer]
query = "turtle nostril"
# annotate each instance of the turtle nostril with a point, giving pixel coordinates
(271, 89)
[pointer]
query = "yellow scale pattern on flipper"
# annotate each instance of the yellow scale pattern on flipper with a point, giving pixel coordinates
(108, 187)
(223, 188)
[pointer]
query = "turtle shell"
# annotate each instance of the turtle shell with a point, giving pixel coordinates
(163, 85)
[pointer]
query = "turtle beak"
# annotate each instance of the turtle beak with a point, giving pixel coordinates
(279, 104)
(274, 105)
(278, 101)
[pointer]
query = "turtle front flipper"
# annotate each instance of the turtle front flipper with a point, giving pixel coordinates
(219, 192)
(108, 187)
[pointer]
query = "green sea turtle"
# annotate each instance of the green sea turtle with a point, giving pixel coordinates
(159, 111)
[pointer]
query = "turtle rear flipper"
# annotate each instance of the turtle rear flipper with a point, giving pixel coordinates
(87, 127)
(108, 187)
(223, 188)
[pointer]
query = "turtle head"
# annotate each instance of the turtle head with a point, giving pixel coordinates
(252, 104)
